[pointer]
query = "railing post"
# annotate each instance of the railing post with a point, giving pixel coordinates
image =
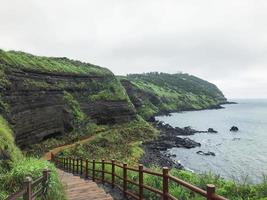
(73, 166)
(165, 171)
(113, 173)
(68, 164)
(93, 171)
(81, 172)
(77, 167)
(45, 179)
(141, 182)
(64, 163)
(46, 174)
(28, 184)
(52, 157)
(124, 179)
(103, 171)
(210, 191)
(86, 168)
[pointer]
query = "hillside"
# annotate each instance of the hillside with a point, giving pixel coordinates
(153, 93)
(43, 97)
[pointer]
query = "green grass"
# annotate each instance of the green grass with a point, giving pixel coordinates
(109, 89)
(74, 108)
(14, 167)
(121, 142)
(225, 188)
(12, 180)
(155, 92)
(23, 60)
(8, 150)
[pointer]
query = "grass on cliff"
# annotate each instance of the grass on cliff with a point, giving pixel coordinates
(8, 150)
(155, 98)
(111, 90)
(120, 142)
(14, 167)
(23, 60)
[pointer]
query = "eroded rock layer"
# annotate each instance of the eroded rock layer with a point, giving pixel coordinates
(36, 106)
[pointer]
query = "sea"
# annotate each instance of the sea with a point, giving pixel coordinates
(240, 156)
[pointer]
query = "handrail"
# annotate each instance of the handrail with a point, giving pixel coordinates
(80, 166)
(27, 191)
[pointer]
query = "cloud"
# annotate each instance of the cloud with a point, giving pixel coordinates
(224, 42)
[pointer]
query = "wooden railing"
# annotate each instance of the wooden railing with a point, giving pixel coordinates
(33, 189)
(81, 166)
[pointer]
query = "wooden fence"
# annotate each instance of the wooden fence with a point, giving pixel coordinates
(33, 189)
(81, 166)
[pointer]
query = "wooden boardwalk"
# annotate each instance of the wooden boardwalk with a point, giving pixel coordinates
(78, 188)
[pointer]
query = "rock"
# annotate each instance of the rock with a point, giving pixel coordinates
(186, 143)
(38, 109)
(151, 119)
(189, 131)
(209, 153)
(211, 130)
(234, 128)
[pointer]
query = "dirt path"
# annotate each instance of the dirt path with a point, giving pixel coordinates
(56, 150)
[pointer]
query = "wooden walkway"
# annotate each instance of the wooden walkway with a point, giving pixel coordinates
(78, 188)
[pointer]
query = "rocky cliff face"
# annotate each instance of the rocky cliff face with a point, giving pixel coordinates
(33, 101)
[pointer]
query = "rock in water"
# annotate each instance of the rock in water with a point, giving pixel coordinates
(209, 153)
(211, 130)
(234, 128)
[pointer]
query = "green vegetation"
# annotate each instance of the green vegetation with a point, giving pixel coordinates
(48, 64)
(14, 167)
(12, 180)
(152, 93)
(121, 142)
(8, 150)
(109, 90)
(74, 108)
(226, 188)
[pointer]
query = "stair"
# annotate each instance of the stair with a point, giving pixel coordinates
(78, 188)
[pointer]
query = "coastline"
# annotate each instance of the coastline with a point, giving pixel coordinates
(156, 151)
(212, 107)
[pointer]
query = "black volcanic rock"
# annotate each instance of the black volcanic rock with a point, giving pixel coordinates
(209, 153)
(38, 109)
(211, 130)
(234, 129)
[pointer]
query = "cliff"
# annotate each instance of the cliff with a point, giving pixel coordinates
(41, 96)
(155, 93)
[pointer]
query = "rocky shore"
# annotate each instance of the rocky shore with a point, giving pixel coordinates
(156, 150)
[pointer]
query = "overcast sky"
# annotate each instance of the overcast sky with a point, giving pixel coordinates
(222, 41)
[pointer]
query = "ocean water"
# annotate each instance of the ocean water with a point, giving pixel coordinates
(240, 155)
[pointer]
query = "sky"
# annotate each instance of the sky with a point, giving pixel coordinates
(222, 41)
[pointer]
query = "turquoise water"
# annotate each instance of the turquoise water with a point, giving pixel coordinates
(239, 156)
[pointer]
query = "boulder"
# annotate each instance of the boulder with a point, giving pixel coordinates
(234, 128)
(209, 153)
(211, 130)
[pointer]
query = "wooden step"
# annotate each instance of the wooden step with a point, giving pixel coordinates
(78, 188)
